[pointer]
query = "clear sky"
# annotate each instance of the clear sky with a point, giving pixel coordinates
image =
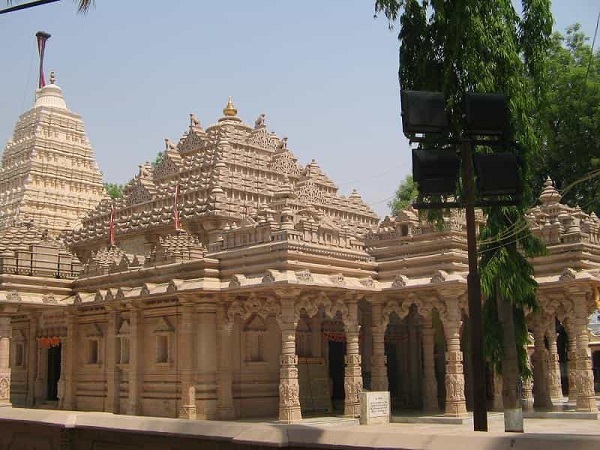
(323, 71)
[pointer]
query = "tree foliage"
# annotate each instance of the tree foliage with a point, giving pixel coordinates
(405, 195)
(83, 6)
(114, 190)
(571, 116)
(486, 46)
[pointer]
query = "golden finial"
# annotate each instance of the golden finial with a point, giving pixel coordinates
(52, 77)
(230, 110)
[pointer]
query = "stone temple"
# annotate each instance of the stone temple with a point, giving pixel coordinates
(232, 281)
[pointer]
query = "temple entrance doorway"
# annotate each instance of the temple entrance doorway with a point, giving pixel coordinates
(562, 342)
(54, 357)
(596, 370)
(392, 368)
(336, 351)
(403, 344)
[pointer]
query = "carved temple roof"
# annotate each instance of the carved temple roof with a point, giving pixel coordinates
(48, 174)
(226, 174)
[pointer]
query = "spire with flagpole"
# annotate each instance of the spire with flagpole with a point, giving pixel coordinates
(42, 37)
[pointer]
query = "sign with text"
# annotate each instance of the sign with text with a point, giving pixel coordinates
(375, 407)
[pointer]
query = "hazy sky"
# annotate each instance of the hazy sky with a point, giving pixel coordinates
(323, 71)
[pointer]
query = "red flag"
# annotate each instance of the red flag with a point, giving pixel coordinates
(42, 37)
(111, 227)
(175, 210)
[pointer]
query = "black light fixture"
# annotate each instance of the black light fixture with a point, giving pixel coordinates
(423, 112)
(486, 114)
(435, 171)
(497, 174)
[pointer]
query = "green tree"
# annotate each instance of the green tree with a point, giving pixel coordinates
(159, 158)
(404, 197)
(487, 46)
(571, 116)
(114, 190)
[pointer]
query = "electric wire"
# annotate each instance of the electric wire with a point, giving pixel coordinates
(525, 225)
(591, 51)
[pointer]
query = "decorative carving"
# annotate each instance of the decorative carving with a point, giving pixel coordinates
(236, 281)
(353, 389)
(337, 278)
(260, 121)
(268, 277)
(5, 388)
(455, 387)
(163, 326)
(439, 276)
(194, 121)
(288, 360)
(352, 360)
(310, 192)
(286, 163)
(13, 296)
(262, 307)
(304, 276)
(400, 281)
(567, 275)
(368, 282)
(261, 138)
(289, 393)
(49, 299)
(395, 306)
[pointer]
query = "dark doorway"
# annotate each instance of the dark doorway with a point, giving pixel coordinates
(337, 350)
(53, 372)
(392, 369)
(596, 370)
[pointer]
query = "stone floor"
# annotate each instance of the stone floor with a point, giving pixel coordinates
(331, 432)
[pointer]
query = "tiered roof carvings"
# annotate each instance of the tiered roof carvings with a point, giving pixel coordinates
(228, 172)
(557, 223)
(49, 174)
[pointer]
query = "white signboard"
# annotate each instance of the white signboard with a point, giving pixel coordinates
(375, 407)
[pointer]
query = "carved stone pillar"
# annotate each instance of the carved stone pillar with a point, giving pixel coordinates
(40, 374)
(353, 382)
(379, 379)
(586, 400)
(207, 359)
(572, 360)
(455, 381)
(187, 364)
(554, 384)
(541, 394)
(527, 400)
(113, 381)
(32, 356)
(69, 347)
(225, 408)
(289, 389)
(430, 392)
(5, 335)
(61, 385)
(136, 361)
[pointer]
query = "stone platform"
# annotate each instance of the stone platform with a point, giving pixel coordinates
(26, 428)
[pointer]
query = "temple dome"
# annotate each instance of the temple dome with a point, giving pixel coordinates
(50, 96)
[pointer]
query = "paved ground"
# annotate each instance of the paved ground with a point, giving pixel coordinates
(332, 432)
